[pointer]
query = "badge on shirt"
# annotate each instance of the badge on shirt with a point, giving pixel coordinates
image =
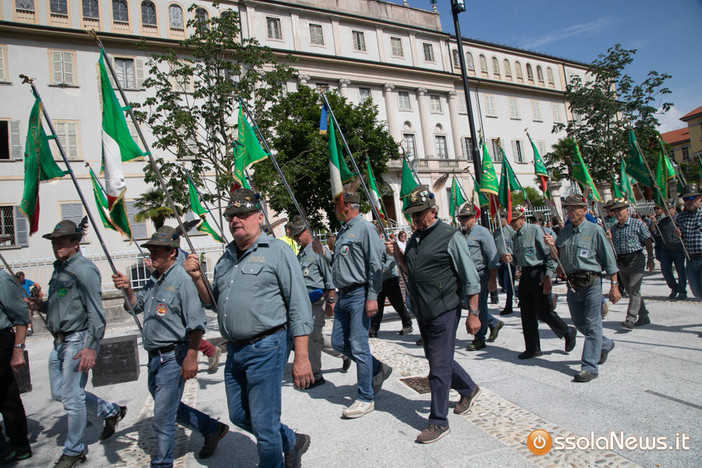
(161, 310)
(61, 292)
(529, 252)
(584, 253)
(344, 250)
(306, 272)
(631, 241)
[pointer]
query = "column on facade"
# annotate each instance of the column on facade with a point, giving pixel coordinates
(344, 87)
(423, 104)
(390, 110)
(455, 129)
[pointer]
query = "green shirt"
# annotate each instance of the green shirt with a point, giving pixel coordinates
(357, 257)
(13, 310)
(530, 249)
(315, 269)
(262, 289)
(482, 248)
(585, 248)
(75, 300)
(171, 307)
(507, 243)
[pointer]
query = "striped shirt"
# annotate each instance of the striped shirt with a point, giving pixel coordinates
(629, 237)
(690, 225)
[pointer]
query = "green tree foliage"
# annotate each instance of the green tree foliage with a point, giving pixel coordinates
(152, 205)
(534, 195)
(606, 103)
(193, 111)
(292, 126)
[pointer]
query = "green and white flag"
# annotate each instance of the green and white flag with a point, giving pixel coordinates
(457, 198)
(374, 193)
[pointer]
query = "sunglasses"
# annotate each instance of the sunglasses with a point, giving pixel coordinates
(239, 215)
(690, 198)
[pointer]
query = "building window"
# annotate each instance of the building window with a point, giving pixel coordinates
(10, 140)
(462, 105)
(124, 71)
(67, 132)
(508, 69)
(3, 63)
(62, 67)
(467, 148)
(514, 108)
(686, 154)
(490, 110)
(441, 149)
(495, 67)
(483, 64)
(435, 104)
(541, 146)
(58, 7)
(396, 47)
(530, 73)
(518, 71)
(13, 224)
(536, 111)
(556, 110)
(403, 101)
(91, 9)
(175, 18)
(316, 35)
(148, 13)
(359, 41)
(138, 229)
(470, 64)
(549, 76)
(540, 74)
(456, 58)
(496, 153)
(410, 146)
(120, 11)
(73, 212)
(518, 151)
(25, 5)
(201, 15)
(364, 93)
(428, 52)
(273, 29)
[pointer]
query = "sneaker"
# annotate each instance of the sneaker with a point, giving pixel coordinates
(69, 461)
(506, 311)
(466, 402)
(406, 330)
(584, 376)
(643, 320)
(432, 433)
(293, 459)
(211, 442)
(17, 454)
(554, 302)
(372, 333)
(605, 309)
(476, 345)
(494, 331)
(570, 339)
(604, 354)
(345, 364)
(111, 422)
(529, 354)
(357, 409)
(629, 324)
(317, 382)
(30, 331)
(213, 360)
(381, 377)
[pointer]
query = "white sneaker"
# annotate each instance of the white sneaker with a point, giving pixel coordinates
(213, 361)
(358, 409)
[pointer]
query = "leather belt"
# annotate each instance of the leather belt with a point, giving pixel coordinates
(162, 350)
(351, 288)
(61, 336)
(259, 337)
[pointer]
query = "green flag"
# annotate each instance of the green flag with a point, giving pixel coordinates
(581, 174)
(488, 177)
(39, 165)
(408, 182)
(625, 183)
(635, 165)
(199, 210)
(101, 202)
(482, 198)
(616, 189)
(457, 199)
(662, 176)
(247, 150)
(508, 184)
(540, 170)
(374, 193)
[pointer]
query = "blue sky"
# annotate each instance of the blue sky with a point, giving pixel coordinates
(665, 34)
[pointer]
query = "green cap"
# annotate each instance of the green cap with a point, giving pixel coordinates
(164, 237)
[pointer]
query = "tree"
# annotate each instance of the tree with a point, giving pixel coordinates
(192, 113)
(302, 152)
(534, 195)
(605, 105)
(152, 205)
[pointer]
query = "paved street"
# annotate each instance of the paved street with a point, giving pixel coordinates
(649, 387)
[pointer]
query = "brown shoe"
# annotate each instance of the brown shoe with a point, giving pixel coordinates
(466, 402)
(432, 433)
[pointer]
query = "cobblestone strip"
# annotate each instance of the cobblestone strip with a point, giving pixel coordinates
(142, 439)
(503, 420)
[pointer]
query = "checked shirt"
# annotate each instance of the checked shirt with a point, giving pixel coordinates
(690, 225)
(630, 237)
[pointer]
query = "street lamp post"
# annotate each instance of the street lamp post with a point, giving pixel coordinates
(459, 6)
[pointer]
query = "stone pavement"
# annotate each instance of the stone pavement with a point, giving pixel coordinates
(649, 387)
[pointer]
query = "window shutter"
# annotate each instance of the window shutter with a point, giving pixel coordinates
(109, 75)
(515, 153)
(72, 212)
(139, 73)
(138, 229)
(68, 68)
(21, 228)
(57, 67)
(15, 141)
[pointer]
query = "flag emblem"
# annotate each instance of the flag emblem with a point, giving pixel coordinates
(161, 310)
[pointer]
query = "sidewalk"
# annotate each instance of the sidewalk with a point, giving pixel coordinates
(650, 386)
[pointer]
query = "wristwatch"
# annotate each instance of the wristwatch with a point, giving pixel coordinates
(331, 300)
(20, 346)
(474, 312)
(615, 283)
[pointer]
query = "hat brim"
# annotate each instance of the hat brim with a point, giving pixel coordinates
(417, 208)
(56, 235)
(691, 194)
(618, 206)
(155, 243)
(295, 230)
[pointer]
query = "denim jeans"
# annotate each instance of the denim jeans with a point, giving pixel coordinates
(585, 308)
(506, 281)
(350, 338)
(166, 388)
(677, 258)
(486, 318)
(253, 378)
(693, 270)
(68, 386)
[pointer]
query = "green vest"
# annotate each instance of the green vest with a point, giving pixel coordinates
(433, 283)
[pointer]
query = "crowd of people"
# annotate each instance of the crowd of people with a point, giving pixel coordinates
(271, 300)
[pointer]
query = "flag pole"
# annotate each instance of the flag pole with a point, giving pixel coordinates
(263, 209)
(207, 207)
(147, 153)
(380, 199)
(35, 91)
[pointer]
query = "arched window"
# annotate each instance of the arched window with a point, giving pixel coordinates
(508, 69)
(148, 13)
(518, 71)
(530, 73)
(549, 75)
(175, 17)
(540, 74)
(495, 67)
(483, 64)
(201, 14)
(58, 7)
(456, 59)
(120, 11)
(470, 64)
(91, 9)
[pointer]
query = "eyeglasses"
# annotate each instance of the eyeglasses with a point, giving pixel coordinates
(241, 216)
(690, 198)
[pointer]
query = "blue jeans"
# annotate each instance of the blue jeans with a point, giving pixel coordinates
(253, 378)
(68, 386)
(585, 308)
(166, 388)
(693, 270)
(677, 258)
(506, 281)
(350, 338)
(486, 318)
